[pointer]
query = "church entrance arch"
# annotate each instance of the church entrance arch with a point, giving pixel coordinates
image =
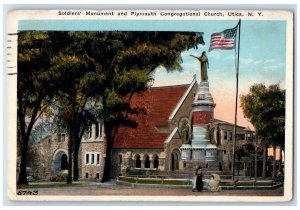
(175, 155)
(60, 161)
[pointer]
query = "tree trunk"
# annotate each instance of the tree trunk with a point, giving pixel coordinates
(79, 135)
(107, 164)
(70, 152)
(23, 173)
(238, 167)
(255, 160)
(25, 134)
(75, 159)
(107, 161)
(264, 169)
(23, 147)
(280, 159)
(274, 162)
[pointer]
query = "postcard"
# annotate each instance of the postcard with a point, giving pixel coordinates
(150, 105)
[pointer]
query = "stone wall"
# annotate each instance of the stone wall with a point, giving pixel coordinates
(48, 149)
(227, 136)
(173, 146)
(124, 161)
(51, 148)
(92, 147)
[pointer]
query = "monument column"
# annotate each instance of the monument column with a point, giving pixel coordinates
(202, 116)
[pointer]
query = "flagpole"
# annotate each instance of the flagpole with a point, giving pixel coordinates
(236, 99)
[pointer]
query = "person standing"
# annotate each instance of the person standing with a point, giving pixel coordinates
(198, 184)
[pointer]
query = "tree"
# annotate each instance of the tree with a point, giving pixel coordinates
(265, 108)
(240, 152)
(72, 102)
(125, 62)
(35, 88)
(80, 68)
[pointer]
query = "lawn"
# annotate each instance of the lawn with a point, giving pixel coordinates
(246, 184)
(48, 185)
(155, 181)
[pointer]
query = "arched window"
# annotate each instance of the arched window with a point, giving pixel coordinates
(64, 162)
(138, 161)
(156, 162)
(147, 162)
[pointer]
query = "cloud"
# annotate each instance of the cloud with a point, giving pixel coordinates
(258, 62)
(230, 57)
(215, 54)
(270, 68)
(270, 60)
(242, 59)
(246, 60)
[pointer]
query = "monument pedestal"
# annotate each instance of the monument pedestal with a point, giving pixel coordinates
(186, 151)
(201, 151)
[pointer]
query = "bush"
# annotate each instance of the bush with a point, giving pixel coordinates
(59, 178)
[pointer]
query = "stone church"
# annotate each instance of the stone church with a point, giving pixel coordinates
(178, 134)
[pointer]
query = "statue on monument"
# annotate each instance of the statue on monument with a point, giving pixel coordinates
(185, 133)
(204, 65)
(211, 129)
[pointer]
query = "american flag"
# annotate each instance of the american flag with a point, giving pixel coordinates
(223, 40)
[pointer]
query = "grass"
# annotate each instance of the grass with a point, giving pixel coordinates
(56, 185)
(246, 184)
(226, 184)
(184, 183)
(154, 181)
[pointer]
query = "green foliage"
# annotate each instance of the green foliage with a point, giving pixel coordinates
(244, 151)
(92, 75)
(265, 108)
(240, 152)
(36, 86)
(249, 149)
(59, 178)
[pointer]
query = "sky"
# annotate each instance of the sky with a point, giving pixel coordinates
(262, 54)
(262, 60)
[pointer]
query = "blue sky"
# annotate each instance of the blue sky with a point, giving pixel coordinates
(262, 54)
(262, 60)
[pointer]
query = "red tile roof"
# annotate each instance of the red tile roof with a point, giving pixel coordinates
(159, 103)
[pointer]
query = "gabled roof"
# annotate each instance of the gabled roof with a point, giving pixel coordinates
(182, 99)
(217, 121)
(159, 103)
